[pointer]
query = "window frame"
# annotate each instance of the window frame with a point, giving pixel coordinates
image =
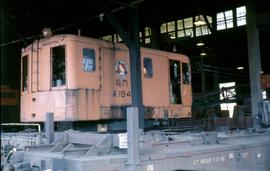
(226, 21)
(175, 81)
(89, 57)
(186, 79)
(241, 16)
(148, 74)
(54, 82)
(25, 73)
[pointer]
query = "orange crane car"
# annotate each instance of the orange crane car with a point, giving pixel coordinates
(85, 79)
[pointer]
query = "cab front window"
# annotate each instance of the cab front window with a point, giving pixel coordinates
(58, 66)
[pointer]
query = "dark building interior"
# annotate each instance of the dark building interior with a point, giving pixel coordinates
(165, 25)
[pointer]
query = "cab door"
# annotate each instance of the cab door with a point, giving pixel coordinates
(186, 85)
(175, 82)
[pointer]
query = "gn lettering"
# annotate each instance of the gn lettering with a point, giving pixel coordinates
(120, 84)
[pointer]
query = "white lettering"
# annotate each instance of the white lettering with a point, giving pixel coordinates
(215, 159)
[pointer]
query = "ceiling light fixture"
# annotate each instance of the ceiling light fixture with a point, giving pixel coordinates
(199, 21)
(200, 43)
(240, 68)
(47, 32)
(203, 54)
(101, 17)
(172, 36)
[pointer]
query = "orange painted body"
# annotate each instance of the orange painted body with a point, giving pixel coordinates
(100, 94)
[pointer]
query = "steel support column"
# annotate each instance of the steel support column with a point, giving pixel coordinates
(135, 64)
(135, 114)
(133, 139)
(254, 61)
(132, 42)
(49, 127)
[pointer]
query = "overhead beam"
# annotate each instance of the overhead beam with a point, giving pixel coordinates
(208, 23)
(14, 29)
(119, 2)
(114, 22)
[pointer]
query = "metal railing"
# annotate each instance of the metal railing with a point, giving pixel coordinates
(23, 124)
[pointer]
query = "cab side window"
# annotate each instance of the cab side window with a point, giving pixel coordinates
(147, 68)
(25, 73)
(89, 60)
